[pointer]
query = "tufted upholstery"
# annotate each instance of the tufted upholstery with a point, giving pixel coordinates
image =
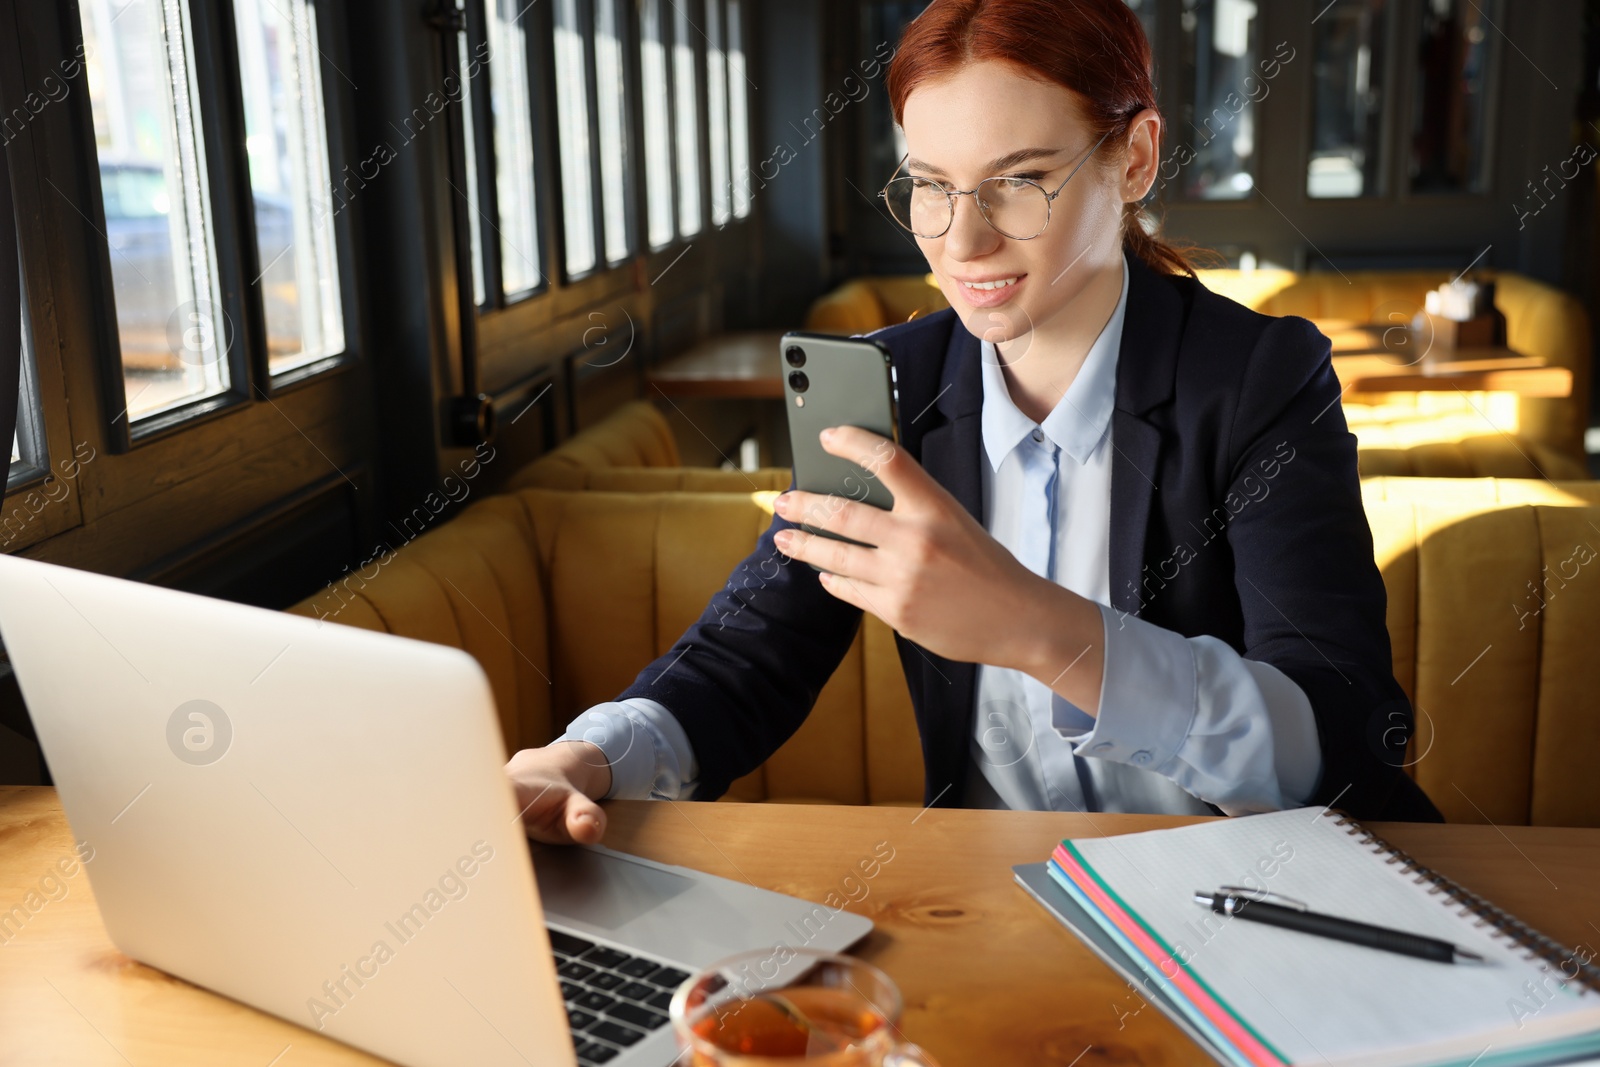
(1452, 435)
(1507, 691)
(564, 596)
(866, 304)
(1476, 456)
(634, 435)
(632, 450)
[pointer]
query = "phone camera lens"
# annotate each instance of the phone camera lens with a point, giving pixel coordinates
(795, 355)
(798, 381)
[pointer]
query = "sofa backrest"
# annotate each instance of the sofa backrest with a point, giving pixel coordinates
(862, 305)
(634, 435)
(564, 596)
(1493, 604)
(652, 479)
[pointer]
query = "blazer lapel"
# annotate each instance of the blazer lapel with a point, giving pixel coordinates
(951, 449)
(1147, 360)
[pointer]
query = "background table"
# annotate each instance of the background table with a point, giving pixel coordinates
(746, 365)
(988, 977)
(729, 366)
(1374, 358)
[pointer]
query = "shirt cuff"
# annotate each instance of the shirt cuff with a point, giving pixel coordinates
(649, 754)
(1151, 680)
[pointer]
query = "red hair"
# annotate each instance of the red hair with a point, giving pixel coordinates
(1096, 49)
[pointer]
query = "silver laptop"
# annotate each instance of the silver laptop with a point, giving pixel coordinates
(314, 820)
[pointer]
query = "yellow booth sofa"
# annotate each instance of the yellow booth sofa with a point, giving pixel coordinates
(632, 450)
(1427, 434)
(564, 596)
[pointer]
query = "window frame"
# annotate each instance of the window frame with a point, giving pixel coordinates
(220, 125)
(42, 393)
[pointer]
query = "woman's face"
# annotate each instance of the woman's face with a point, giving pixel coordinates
(989, 120)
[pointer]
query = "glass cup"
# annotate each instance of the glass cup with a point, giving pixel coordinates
(791, 1006)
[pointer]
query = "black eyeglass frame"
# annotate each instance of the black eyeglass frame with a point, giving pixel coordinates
(951, 194)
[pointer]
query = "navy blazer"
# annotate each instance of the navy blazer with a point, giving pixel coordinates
(1235, 512)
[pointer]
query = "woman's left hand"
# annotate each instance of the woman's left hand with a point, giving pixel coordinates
(936, 576)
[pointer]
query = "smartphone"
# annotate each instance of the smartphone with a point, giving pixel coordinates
(837, 381)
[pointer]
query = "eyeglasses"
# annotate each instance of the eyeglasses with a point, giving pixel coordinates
(1018, 208)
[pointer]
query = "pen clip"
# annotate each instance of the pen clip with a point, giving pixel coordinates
(1263, 896)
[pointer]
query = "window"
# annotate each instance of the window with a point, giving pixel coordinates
(657, 123)
(1219, 39)
(287, 144)
(513, 147)
(572, 111)
(611, 85)
(717, 115)
(1347, 99)
(738, 110)
(1456, 61)
(687, 115)
(174, 335)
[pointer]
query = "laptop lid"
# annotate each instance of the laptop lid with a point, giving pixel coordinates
(304, 816)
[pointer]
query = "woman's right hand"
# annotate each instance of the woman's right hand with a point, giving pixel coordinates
(555, 787)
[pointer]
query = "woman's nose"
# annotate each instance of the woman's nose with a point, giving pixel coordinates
(970, 235)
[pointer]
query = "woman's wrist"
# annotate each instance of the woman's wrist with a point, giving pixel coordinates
(585, 766)
(1061, 642)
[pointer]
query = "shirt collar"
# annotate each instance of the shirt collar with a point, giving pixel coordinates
(1083, 414)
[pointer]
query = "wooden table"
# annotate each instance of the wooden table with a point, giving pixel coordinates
(988, 977)
(1373, 358)
(746, 365)
(731, 366)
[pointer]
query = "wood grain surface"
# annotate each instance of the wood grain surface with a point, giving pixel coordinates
(988, 977)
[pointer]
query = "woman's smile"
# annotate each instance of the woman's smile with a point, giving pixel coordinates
(991, 292)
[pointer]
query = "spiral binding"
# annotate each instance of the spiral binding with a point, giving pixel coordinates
(1539, 946)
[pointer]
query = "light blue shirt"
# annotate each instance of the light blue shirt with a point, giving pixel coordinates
(1182, 721)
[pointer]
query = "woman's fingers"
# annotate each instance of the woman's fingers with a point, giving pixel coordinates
(553, 809)
(585, 820)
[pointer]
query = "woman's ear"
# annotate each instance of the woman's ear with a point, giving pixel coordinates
(1144, 155)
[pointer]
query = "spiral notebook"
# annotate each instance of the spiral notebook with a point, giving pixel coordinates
(1256, 995)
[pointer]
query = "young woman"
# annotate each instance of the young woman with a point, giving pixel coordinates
(1127, 563)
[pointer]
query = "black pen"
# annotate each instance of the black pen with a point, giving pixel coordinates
(1248, 904)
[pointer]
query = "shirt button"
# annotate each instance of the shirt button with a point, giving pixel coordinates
(1038, 434)
(1141, 757)
(1103, 746)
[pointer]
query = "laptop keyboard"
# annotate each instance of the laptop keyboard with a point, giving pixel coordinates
(613, 999)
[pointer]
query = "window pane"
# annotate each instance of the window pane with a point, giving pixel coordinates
(717, 114)
(1347, 95)
(513, 147)
(288, 148)
(174, 335)
(738, 110)
(27, 419)
(572, 108)
(657, 119)
(686, 102)
(611, 80)
(470, 147)
(1219, 44)
(1450, 100)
